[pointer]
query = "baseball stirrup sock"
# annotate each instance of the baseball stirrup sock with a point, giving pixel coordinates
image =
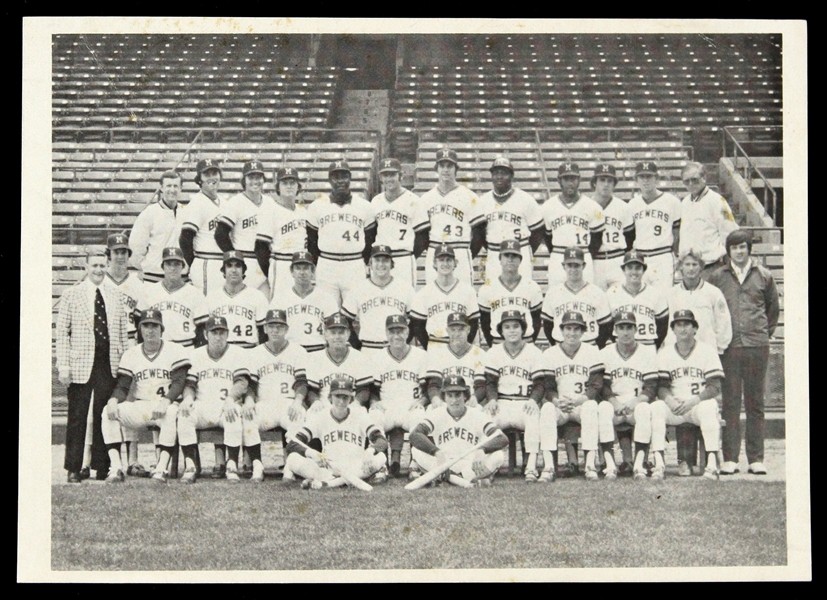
(255, 452)
(232, 453)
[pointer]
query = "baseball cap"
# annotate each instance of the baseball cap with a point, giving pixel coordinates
(457, 318)
(512, 315)
(446, 154)
(568, 168)
(625, 316)
(572, 317)
(573, 254)
(151, 315)
(390, 165)
(216, 322)
(444, 250)
(634, 256)
(380, 250)
(502, 161)
(172, 253)
(205, 164)
(338, 165)
(302, 257)
(342, 385)
(253, 166)
(336, 320)
(233, 255)
(287, 173)
(116, 241)
(604, 170)
(646, 167)
(684, 315)
(396, 321)
(454, 383)
(510, 247)
(275, 315)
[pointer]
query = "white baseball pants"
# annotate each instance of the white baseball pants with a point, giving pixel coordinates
(585, 414)
(641, 419)
(511, 415)
(207, 414)
(269, 415)
(133, 416)
(395, 416)
(463, 468)
(705, 415)
(364, 464)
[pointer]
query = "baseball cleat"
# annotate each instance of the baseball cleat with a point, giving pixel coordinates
(159, 477)
(394, 469)
(381, 476)
(684, 470)
(246, 472)
(729, 468)
(658, 473)
(414, 474)
(531, 477)
(591, 474)
(258, 473)
(757, 468)
(625, 469)
(649, 466)
(232, 477)
(485, 482)
(711, 474)
(287, 474)
(546, 477)
(610, 474)
(137, 470)
(640, 475)
(115, 477)
(84, 473)
(190, 476)
(220, 472)
(312, 484)
(568, 470)
(101, 475)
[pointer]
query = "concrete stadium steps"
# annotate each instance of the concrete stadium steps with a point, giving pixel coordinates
(363, 109)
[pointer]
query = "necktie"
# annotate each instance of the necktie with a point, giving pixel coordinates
(101, 327)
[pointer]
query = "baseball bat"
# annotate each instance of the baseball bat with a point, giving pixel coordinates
(351, 478)
(428, 477)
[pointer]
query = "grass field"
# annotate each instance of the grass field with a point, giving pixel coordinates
(277, 526)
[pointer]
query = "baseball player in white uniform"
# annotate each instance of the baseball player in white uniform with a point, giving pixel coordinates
(199, 220)
(371, 301)
(282, 231)
(511, 290)
(619, 234)
(158, 369)
(690, 375)
(577, 294)
(574, 380)
(455, 429)
(647, 302)
(514, 376)
(344, 433)
(452, 217)
(398, 400)
(630, 384)
(181, 303)
(433, 303)
(510, 214)
(307, 305)
(119, 278)
(398, 210)
(657, 217)
(279, 382)
(157, 227)
(341, 228)
(216, 384)
(571, 219)
(244, 307)
(238, 224)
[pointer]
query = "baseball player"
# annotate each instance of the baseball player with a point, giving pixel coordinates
(509, 291)
(398, 399)
(199, 220)
(647, 302)
(238, 223)
(657, 217)
(571, 219)
(574, 380)
(514, 377)
(432, 304)
(119, 278)
(510, 213)
(282, 231)
(576, 294)
(306, 304)
(156, 228)
(337, 360)
(452, 216)
(215, 387)
(243, 306)
(344, 433)
(691, 376)
(456, 428)
(341, 228)
(371, 301)
(630, 384)
(181, 303)
(158, 369)
(279, 382)
(397, 211)
(619, 234)
(457, 357)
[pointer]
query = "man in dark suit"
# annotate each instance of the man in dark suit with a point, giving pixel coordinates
(91, 337)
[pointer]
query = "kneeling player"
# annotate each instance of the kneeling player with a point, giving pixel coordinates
(630, 383)
(343, 433)
(456, 429)
(690, 375)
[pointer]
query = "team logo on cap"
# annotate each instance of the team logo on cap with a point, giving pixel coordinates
(390, 165)
(338, 165)
(380, 250)
(117, 240)
(342, 384)
(625, 316)
(233, 255)
(568, 168)
(336, 320)
(646, 167)
(172, 254)
(444, 250)
(287, 173)
(510, 246)
(454, 382)
(396, 321)
(207, 163)
(502, 161)
(573, 318)
(276, 315)
(684, 315)
(512, 315)
(634, 256)
(457, 318)
(151, 315)
(302, 257)
(573, 253)
(604, 169)
(216, 322)
(253, 166)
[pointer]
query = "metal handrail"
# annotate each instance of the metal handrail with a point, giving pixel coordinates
(542, 163)
(749, 169)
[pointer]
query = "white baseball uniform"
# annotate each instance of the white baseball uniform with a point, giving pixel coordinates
(286, 232)
(654, 237)
(400, 384)
(306, 315)
(156, 228)
(372, 304)
(590, 301)
(711, 311)
(130, 288)
(571, 225)
(395, 223)
(512, 218)
(494, 298)
(322, 369)
(201, 216)
(626, 376)
(647, 305)
(609, 259)
(433, 304)
(245, 311)
(243, 216)
(442, 361)
(182, 310)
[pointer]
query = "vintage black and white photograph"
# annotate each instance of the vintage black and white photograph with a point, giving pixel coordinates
(368, 300)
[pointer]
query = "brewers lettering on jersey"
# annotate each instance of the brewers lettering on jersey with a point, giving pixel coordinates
(244, 311)
(183, 309)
